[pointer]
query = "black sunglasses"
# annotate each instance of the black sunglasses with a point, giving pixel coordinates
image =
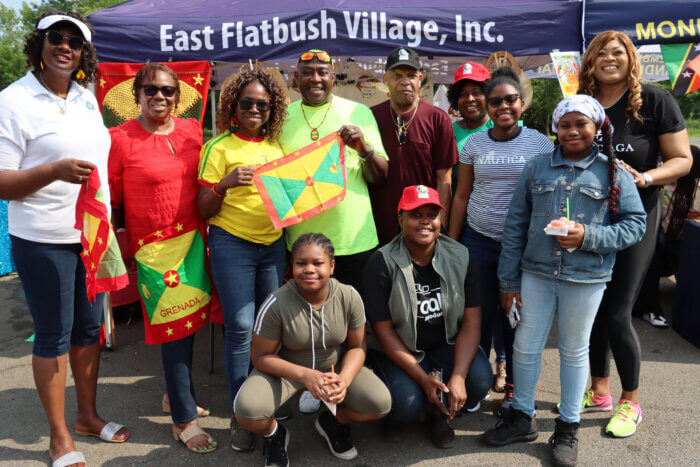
(151, 90)
(497, 101)
(247, 104)
(55, 38)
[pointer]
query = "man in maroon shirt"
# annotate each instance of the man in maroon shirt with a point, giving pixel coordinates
(418, 138)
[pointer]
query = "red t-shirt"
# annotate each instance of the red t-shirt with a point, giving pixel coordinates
(430, 146)
(154, 187)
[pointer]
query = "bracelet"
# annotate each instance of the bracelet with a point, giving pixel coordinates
(648, 179)
(369, 154)
(217, 193)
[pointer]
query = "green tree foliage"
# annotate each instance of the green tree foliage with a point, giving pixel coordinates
(546, 94)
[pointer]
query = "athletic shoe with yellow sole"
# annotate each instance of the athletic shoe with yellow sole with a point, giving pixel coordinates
(624, 422)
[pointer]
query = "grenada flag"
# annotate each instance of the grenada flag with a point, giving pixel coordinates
(104, 267)
(304, 183)
(173, 282)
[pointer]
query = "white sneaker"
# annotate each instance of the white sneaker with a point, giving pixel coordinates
(308, 403)
(656, 320)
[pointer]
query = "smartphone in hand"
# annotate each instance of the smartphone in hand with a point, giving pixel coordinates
(514, 316)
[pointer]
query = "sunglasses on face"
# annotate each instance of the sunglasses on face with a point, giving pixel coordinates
(322, 56)
(497, 101)
(151, 90)
(55, 38)
(247, 104)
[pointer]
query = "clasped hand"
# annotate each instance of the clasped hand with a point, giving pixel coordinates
(330, 387)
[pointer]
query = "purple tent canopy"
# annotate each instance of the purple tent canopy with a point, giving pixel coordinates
(235, 31)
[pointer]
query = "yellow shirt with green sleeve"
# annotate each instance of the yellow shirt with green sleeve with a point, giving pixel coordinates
(349, 224)
(242, 212)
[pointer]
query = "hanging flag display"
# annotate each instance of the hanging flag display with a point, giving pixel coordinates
(304, 183)
(104, 268)
(116, 99)
(682, 67)
(173, 282)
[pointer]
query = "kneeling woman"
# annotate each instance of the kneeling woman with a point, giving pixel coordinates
(305, 330)
(423, 300)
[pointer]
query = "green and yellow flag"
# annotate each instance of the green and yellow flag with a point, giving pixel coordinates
(173, 282)
(681, 63)
(304, 183)
(104, 267)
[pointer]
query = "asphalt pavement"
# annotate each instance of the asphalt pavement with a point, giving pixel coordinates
(131, 386)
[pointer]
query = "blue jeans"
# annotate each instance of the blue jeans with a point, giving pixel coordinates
(494, 323)
(177, 366)
(408, 401)
(244, 273)
(575, 305)
(53, 279)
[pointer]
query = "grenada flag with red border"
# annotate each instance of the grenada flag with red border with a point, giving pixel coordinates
(175, 288)
(104, 267)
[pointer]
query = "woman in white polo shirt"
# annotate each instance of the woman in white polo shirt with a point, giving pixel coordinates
(51, 139)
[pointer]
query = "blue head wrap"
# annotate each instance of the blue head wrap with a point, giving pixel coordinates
(581, 103)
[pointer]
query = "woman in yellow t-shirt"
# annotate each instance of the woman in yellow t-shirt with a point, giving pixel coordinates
(247, 252)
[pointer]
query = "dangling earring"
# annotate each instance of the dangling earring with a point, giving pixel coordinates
(234, 124)
(41, 65)
(80, 74)
(138, 106)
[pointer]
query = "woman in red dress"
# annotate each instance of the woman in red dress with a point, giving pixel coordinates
(153, 182)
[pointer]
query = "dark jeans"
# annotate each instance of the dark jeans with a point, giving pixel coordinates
(349, 268)
(408, 401)
(244, 273)
(494, 322)
(53, 279)
(612, 329)
(177, 366)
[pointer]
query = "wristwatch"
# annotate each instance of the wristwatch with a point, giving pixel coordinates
(648, 179)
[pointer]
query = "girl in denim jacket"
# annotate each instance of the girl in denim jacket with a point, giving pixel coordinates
(566, 275)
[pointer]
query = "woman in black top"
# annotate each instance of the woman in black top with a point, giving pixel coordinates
(647, 124)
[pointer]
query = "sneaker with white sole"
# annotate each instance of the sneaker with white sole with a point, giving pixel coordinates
(624, 423)
(656, 319)
(308, 403)
(337, 435)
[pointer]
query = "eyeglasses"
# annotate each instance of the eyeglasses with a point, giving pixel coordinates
(247, 104)
(322, 56)
(151, 90)
(497, 101)
(55, 38)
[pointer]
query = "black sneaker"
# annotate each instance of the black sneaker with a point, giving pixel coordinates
(275, 448)
(518, 427)
(337, 436)
(564, 443)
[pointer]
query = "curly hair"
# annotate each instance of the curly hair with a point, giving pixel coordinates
(148, 73)
(229, 101)
(34, 45)
(456, 89)
(588, 84)
(683, 196)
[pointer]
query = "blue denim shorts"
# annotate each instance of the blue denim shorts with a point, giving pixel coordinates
(53, 279)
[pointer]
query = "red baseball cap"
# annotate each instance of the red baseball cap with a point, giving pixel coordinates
(418, 195)
(473, 71)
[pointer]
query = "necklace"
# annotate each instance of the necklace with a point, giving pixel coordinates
(314, 130)
(61, 101)
(401, 127)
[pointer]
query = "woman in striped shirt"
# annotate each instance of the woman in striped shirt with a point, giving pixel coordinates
(489, 168)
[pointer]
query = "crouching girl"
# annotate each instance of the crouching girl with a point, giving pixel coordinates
(310, 334)
(565, 274)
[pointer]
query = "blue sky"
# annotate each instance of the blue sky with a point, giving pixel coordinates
(16, 4)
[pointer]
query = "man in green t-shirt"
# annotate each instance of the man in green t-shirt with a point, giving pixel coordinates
(349, 224)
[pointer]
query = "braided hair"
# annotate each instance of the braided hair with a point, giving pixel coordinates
(683, 196)
(607, 149)
(314, 239)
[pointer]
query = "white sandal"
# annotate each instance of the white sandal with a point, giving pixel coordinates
(73, 457)
(192, 431)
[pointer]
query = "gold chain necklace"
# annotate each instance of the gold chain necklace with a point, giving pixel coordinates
(314, 131)
(402, 128)
(59, 100)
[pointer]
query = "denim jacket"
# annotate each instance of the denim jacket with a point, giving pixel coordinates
(544, 185)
